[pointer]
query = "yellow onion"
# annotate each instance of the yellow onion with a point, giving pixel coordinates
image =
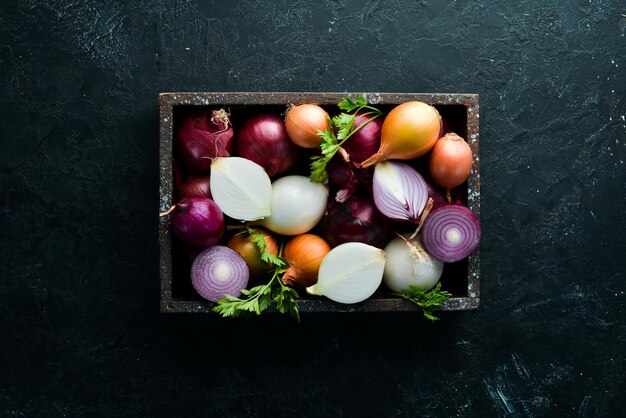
(409, 131)
(302, 123)
(305, 254)
(251, 254)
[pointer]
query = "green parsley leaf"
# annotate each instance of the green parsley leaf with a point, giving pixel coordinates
(254, 301)
(340, 129)
(428, 301)
(347, 104)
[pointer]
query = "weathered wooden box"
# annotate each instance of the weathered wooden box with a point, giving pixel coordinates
(459, 111)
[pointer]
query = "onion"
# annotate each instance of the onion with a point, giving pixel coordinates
(350, 273)
(442, 197)
(249, 251)
(219, 271)
(451, 233)
(263, 139)
(409, 131)
(399, 191)
(450, 161)
(195, 187)
(297, 205)
(241, 188)
(202, 136)
(366, 140)
(355, 220)
(303, 122)
(197, 221)
(408, 264)
(304, 254)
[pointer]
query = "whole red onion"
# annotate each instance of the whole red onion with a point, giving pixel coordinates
(197, 221)
(438, 194)
(366, 141)
(202, 136)
(195, 187)
(263, 139)
(355, 220)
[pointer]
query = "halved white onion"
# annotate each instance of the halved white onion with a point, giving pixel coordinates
(350, 273)
(241, 188)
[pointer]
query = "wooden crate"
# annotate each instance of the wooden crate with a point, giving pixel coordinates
(460, 111)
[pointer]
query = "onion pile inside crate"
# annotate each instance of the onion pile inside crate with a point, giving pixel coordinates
(275, 204)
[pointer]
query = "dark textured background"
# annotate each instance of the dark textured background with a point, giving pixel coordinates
(80, 328)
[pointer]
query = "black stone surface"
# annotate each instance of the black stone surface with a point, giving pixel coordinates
(81, 332)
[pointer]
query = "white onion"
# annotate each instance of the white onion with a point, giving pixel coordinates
(350, 273)
(297, 205)
(399, 191)
(241, 188)
(408, 264)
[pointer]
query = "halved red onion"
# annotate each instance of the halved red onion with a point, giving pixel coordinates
(451, 233)
(399, 191)
(219, 271)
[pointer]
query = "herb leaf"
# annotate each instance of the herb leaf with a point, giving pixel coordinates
(258, 238)
(428, 301)
(341, 127)
(259, 298)
(348, 105)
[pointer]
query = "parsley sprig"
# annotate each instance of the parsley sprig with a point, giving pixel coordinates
(341, 128)
(259, 298)
(258, 238)
(428, 301)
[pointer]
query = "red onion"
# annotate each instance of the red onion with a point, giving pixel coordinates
(355, 220)
(202, 136)
(366, 141)
(195, 187)
(197, 221)
(399, 191)
(451, 233)
(263, 139)
(347, 175)
(219, 271)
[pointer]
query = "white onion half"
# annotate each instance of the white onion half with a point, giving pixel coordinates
(350, 273)
(408, 264)
(241, 188)
(297, 205)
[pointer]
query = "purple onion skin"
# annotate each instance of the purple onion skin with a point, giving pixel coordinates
(264, 140)
(433, 233)
(366, 141)
(202, 136)
(195, 187)
(355, 220)
(198, 222)
(438, 194)
(205, 276)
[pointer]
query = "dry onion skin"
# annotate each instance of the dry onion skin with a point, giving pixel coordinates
(303, 122)
(409, 131)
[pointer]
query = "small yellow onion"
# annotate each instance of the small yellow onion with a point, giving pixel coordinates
(251, 254)
(305, 254)
(409, 131)
(302, 123)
